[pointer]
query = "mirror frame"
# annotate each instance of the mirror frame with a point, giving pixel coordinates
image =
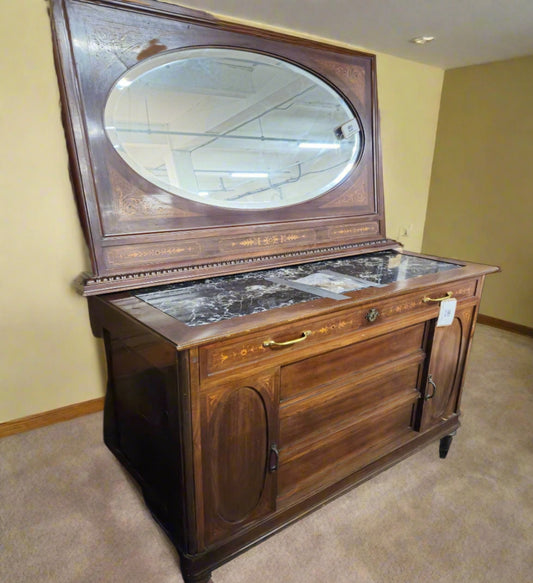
(140, 235)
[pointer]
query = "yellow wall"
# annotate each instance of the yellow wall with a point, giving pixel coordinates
(49, 358)
(409, 97)
(481, 198)
(409, 100)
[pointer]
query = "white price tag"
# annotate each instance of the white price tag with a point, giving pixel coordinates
(447, 312)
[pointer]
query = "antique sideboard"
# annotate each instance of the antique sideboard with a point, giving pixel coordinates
(268, 347)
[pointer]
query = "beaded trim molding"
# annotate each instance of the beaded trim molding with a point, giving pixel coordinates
(90, 285)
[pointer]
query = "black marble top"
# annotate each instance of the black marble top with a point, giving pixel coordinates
(221, 298)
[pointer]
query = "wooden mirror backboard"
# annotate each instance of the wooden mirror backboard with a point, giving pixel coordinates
(203, 148)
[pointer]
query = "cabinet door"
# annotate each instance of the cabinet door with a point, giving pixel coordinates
(239, 452)
(448, 347)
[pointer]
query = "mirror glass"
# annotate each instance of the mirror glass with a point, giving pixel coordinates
(232, 128)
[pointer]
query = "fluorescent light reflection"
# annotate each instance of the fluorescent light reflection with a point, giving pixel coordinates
(318, 146)
(249, 175)
(123, 83)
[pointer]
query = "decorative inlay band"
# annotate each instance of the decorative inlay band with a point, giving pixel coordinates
(266, 240)
(119, 255)
(353, 230)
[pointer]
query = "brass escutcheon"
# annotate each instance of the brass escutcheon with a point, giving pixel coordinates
(372, 315)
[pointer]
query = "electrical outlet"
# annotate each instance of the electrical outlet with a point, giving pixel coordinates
(405, 231)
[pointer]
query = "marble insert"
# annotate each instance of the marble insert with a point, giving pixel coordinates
(221, 298)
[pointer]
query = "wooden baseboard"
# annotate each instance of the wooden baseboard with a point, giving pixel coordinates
(505, 325)
(51, 417)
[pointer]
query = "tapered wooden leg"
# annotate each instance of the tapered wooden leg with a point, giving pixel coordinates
(444, 445)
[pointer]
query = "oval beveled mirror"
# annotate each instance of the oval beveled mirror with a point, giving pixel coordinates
(232, 128)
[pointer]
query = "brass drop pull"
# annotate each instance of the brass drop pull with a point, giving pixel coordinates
(446, 297)
(372, 315)
(273, 458)
(273, 343)
(432, 383)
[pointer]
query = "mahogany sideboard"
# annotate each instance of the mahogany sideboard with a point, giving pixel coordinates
(268, 347)
(232, 437)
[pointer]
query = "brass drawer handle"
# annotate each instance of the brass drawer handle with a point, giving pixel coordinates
(446, 297)
(434, 386)
(273, 458)
(304, 335)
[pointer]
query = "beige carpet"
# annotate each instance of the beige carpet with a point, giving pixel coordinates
(69, 513)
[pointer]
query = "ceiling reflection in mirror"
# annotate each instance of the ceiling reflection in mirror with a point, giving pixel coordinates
(232, 128)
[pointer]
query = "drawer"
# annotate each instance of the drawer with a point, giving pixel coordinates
(304, 470)
(305, 376)
(311, 418)
(333, 329)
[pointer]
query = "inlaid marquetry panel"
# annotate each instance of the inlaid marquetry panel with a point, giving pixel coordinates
(351, 231)
(235, 245)
(283, 239)
(358, 196)
(153, 254)
(131, 202)
(348, 77)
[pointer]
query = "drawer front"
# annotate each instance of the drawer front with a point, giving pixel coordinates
(307, 375)
(310, 418)
(250, 349)
(305, 470)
